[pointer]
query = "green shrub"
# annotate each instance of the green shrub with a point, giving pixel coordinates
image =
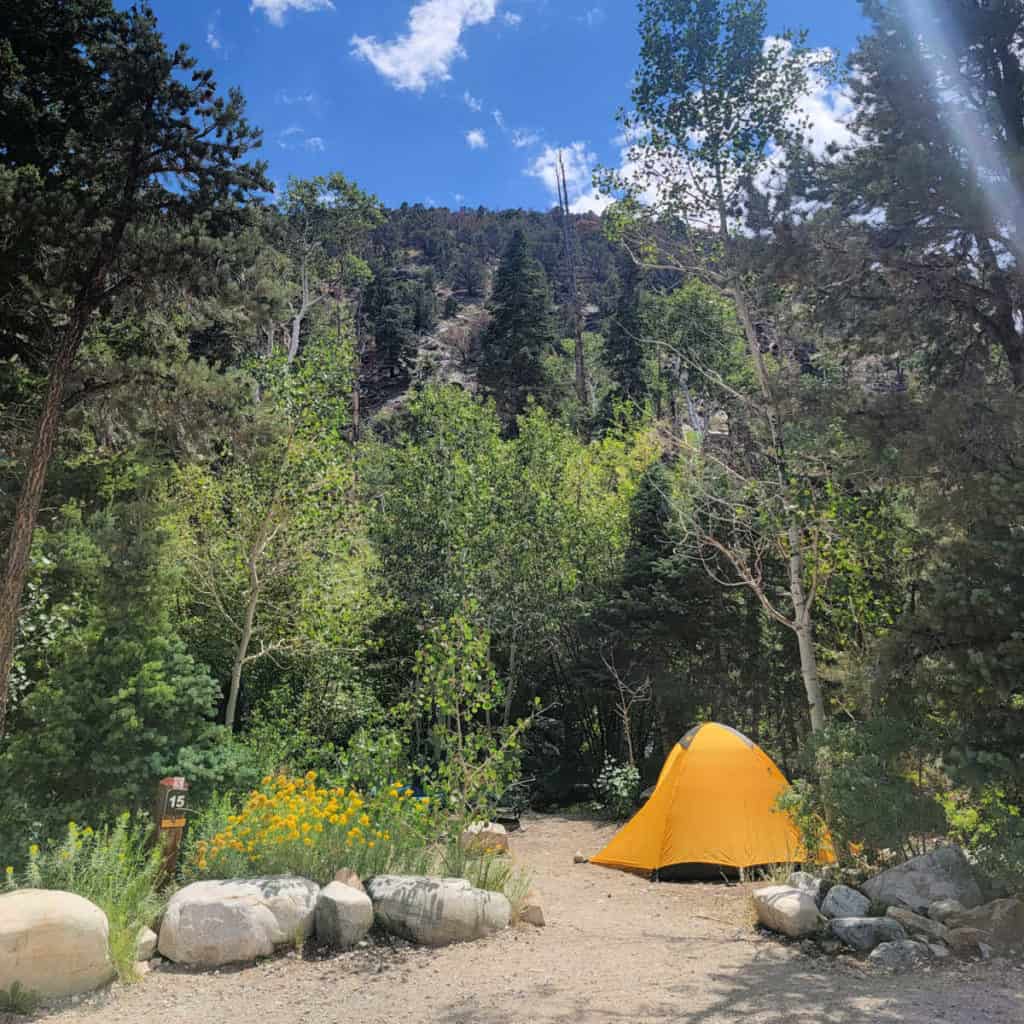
(618, 788)
(116, 867)
(869, 787)
(988, 824)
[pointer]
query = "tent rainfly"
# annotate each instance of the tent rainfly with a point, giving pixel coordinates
(713, 806)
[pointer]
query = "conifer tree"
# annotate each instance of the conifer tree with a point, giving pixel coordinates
(521, 332)
(624, 348)
(119, 160)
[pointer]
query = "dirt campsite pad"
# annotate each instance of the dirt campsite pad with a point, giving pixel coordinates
(616, 948)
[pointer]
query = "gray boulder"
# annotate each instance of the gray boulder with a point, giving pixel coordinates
(53, 943)
(436, 911)
(918, 926)
(207, 924)
(1003, 920)
(942, 874)
(343, 915)
(901, 955)
(864, 933)
(943, 910)
(806, 882)
(842, 901)
(787, 910)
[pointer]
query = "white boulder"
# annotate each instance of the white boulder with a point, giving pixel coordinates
(53, 943)
(842, 901)
(942, 874)
(207, 924)
(436, 911)
(343, 915)
(785, 909)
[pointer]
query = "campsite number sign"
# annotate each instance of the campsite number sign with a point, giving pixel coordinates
(169, 815)
(172, 795)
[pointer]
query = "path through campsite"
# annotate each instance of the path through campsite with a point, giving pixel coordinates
(616, 949)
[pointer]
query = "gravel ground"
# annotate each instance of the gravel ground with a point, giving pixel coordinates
(616, 948)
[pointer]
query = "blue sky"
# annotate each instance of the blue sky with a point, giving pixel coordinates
(449, 102)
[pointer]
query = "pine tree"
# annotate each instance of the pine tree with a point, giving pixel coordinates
(624, 354)
(521, 332)
(921, 222)
(118, 157)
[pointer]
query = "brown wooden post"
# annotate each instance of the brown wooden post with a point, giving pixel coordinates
(169, 819)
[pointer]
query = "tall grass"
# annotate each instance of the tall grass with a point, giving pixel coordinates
(116, 867)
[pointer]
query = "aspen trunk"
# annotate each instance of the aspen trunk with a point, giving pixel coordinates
(802, 623)
(243, 646)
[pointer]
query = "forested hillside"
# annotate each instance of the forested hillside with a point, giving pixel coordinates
(292, 481)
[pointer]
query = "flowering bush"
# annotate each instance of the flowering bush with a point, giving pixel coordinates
(291, 825)
(618, 787)
(117, 868)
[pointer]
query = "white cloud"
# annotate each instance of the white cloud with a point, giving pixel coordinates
(275, 10)
(512, 20)
(291, 98)
(594, 17)
(523, 139)
(295, 137)
(476, 139)
(212, 39)
(426, 52)
(499, 119)
(458, 197)
(472, 102)
(578, 162)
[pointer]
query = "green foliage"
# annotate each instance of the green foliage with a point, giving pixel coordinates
(618, 787)
(988, 824)
(521, 331)
(714, 94)
(117, 867)
(871, 788)
(457, 692)
(124, 703)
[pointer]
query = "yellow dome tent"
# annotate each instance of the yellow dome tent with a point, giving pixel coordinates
(714, 804)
